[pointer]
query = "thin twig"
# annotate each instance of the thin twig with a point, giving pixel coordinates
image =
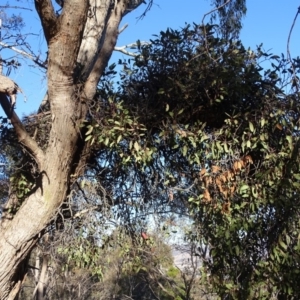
(213, 10)
(124, 51)
(123, 28)
(25, 54)
(204, 29)
(288, 49)
(15, 7)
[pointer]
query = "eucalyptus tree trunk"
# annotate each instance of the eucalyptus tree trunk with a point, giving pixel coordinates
(80, 42)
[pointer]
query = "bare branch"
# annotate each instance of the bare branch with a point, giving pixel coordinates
(288, 50)
(25, 54)
(123, 28)
(23, 136)
(213, 10)
(122, 49)
(48, 17)
(149, 5)
(204, 29)
(15, 7)
(85, 211)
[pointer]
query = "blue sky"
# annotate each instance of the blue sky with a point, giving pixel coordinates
(266, 22)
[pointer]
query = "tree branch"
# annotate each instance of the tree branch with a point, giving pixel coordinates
(15, 7)
(93, 36)
(133, 4)
(295, 78)
(123, 50)
(109, 43)
(23, 136)
(204, 28)
(25, 54)
(48, 17)
(65, 44)
(123, 28)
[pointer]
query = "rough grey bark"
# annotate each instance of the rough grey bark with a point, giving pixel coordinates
(80, 42)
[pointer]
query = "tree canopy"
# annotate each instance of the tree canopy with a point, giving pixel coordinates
(192, 126)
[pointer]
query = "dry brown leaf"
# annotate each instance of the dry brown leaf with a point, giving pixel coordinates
(232, 188)
(219, 182)
(230, 175)
(207, 181)
(248, 159)
(223, 178)
(226, 208)
(181, 132)
(215, 169)
(202, 172)
(237, 166)
(206, 196)
(225, 192)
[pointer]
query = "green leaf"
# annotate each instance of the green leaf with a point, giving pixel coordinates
(91, 128)
(254, 192)
(282, 244)
(226, 147)
(184, 150)
(289, 139)
(227, 234)
(119, 138)
(136, 146)
(229, 285)
(88, 138)
(244, 187)
(237, 250)
(288, 239)
(161, 91)
(296, 176)
(180, 112)
(251, 127)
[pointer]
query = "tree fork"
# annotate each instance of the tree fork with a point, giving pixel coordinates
(66, 152)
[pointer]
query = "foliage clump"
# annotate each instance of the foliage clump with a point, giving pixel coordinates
(225, 135)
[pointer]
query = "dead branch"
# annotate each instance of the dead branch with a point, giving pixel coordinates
(25, 54)
(123, 50)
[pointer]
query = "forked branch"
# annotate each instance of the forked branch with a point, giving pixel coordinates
(109, 43)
